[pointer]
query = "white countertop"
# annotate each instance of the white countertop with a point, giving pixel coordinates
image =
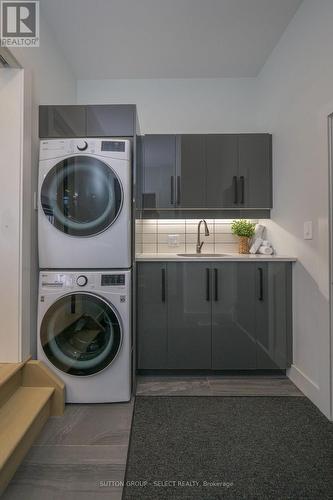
(163, 257)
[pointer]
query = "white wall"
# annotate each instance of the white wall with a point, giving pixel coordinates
(13, 256)
(180, 105)
(296, 96)
(52, 82)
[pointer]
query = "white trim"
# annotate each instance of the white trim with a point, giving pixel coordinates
(305, 384)
(330, 218)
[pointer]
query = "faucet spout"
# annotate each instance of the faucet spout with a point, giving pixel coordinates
(199, 242)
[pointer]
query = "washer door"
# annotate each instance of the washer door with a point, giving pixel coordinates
(81, 196)
(81, 334)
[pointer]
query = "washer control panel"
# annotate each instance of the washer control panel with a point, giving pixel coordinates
(107, 281)
(113, 280)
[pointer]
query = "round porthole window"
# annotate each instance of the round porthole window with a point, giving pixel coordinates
(81, 196)
(81, 334)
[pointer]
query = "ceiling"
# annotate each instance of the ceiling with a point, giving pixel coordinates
(167, 38)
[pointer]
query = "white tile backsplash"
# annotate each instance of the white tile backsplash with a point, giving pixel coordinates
(171, 228)
(152, 236)
(163, 237)
(149, 238)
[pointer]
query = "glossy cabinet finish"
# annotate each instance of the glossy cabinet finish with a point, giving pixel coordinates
(216, 171)
(273, 315)
(191, 172)
(152, 315)
(111, 120)
(159, 171)
(219, 315)
(189, 308)
(233, 319)
(254, 170)
(114, 120)
(222, 170)
(62, 121)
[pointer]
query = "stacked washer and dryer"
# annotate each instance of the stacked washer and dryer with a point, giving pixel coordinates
(84, 239)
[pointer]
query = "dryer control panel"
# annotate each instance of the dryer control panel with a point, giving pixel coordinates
(118, 149)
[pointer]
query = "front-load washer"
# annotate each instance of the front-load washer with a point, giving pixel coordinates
(84, 204)
(84, 333)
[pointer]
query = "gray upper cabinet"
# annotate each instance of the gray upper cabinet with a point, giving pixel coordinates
(233, 319)
(189, 311)
(113, 120)
(62, 121)
(255, 170)
(222, 170)
(159, 171)
(191, 172)
(216, 171)
(152, 315)
(116, 120)
(273, 315)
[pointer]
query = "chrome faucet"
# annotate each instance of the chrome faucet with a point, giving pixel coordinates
(199, 244)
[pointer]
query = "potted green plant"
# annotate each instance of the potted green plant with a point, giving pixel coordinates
(244, 229)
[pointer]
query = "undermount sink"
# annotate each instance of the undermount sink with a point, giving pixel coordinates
(202, 254)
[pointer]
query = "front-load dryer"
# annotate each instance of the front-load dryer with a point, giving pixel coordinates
(84, 204)
(84, 333)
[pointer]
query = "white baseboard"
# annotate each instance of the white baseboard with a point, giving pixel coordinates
(309, 389)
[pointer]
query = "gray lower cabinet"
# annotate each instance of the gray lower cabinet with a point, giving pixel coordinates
(220, 316)
(274, 315)
(233, 319)
(152, 316)
(189, 308)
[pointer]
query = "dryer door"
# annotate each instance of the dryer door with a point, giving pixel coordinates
(81, 334)
(81, 196)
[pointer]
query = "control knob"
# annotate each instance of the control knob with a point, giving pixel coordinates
(81, 280)
(83, 147)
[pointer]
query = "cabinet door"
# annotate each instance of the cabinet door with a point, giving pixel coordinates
(62, 121)
(273, 315)
(222, 170)
(152, 315)
(255, 170)
(159, 171)
(233, 316)
(189, 315)
(112, 120)
(191, 176)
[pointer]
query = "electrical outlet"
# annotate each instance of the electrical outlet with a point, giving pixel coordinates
(173, 240)
(308, 230)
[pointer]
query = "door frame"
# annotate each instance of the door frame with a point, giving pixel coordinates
(330, 222)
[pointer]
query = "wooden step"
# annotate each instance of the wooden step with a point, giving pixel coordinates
(10, 380)
(21, 419)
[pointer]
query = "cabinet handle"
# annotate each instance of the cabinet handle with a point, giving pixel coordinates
(261, 284)
(234, 182)
(207, 284)
(216, 286)
(163, 285)
(178, 190)
(172, 190)
(242, 188)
